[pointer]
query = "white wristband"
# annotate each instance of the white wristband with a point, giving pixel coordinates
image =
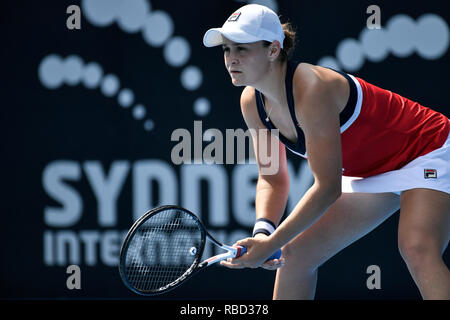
(263, 225)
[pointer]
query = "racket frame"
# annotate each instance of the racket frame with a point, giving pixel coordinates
(187, 274)
(231, 251)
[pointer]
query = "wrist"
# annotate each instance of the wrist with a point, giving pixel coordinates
(264, 227)
(264, 230)
(260, 236)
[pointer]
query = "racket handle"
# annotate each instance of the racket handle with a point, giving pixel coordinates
(275, 255)
(242, 250)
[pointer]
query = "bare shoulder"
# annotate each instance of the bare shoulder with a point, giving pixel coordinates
(310, 76)
(248, 107)
(305, 70)
(248, 97)
(319, 83)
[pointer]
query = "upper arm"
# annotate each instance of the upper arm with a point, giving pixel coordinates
(264, 142)
(320, 122)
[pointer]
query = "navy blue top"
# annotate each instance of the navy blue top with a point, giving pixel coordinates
(299, 146)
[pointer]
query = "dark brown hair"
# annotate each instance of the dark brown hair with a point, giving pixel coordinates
(288, 43)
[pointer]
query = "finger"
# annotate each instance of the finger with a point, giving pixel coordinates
(232, 264)
(273, 264)
(244, 242)
(271, 267)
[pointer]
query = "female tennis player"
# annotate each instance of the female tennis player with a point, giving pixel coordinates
(371, 152)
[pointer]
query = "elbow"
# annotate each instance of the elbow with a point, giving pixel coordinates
(331, 192)
(278, 182)
(336, 189)
(337, 193)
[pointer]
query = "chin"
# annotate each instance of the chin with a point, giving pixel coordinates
(238, 83)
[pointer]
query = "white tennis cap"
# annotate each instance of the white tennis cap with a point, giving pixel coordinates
(250, 23)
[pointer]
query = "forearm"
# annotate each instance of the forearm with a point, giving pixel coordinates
(308, 210)
(271, 199)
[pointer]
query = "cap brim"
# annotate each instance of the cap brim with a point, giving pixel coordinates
(214, 37)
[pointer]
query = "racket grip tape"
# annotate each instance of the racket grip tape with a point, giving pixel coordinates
(242, 250)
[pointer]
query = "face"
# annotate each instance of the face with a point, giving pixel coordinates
(246, 63)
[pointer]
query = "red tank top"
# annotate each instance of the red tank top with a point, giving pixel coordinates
(389, 132)
(381, 131)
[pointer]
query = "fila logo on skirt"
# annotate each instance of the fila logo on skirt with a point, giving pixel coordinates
(430, 173)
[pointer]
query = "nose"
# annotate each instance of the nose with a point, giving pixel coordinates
(233, 58)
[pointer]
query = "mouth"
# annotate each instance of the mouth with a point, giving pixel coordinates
(235, 72)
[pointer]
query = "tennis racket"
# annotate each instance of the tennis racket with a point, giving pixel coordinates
(164, 248)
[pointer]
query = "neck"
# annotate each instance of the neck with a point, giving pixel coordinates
(272, 86)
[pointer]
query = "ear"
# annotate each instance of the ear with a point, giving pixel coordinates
(274, 50)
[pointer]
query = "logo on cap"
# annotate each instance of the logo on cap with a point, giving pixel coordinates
(234, 16)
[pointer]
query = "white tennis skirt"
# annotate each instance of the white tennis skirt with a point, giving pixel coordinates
(430, 171)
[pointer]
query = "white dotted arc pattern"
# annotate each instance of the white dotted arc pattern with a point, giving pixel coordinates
(157, 30)
(272, 4)
(55, 71)
(402, 36)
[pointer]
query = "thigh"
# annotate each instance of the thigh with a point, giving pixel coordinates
(424, 218)
(351, 217)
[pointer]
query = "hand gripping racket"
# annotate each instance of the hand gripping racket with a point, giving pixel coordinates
(163, 249)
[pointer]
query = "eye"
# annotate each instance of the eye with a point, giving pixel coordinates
(225, 49)
(241, 48)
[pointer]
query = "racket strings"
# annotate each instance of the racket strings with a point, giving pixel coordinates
(163, 250)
